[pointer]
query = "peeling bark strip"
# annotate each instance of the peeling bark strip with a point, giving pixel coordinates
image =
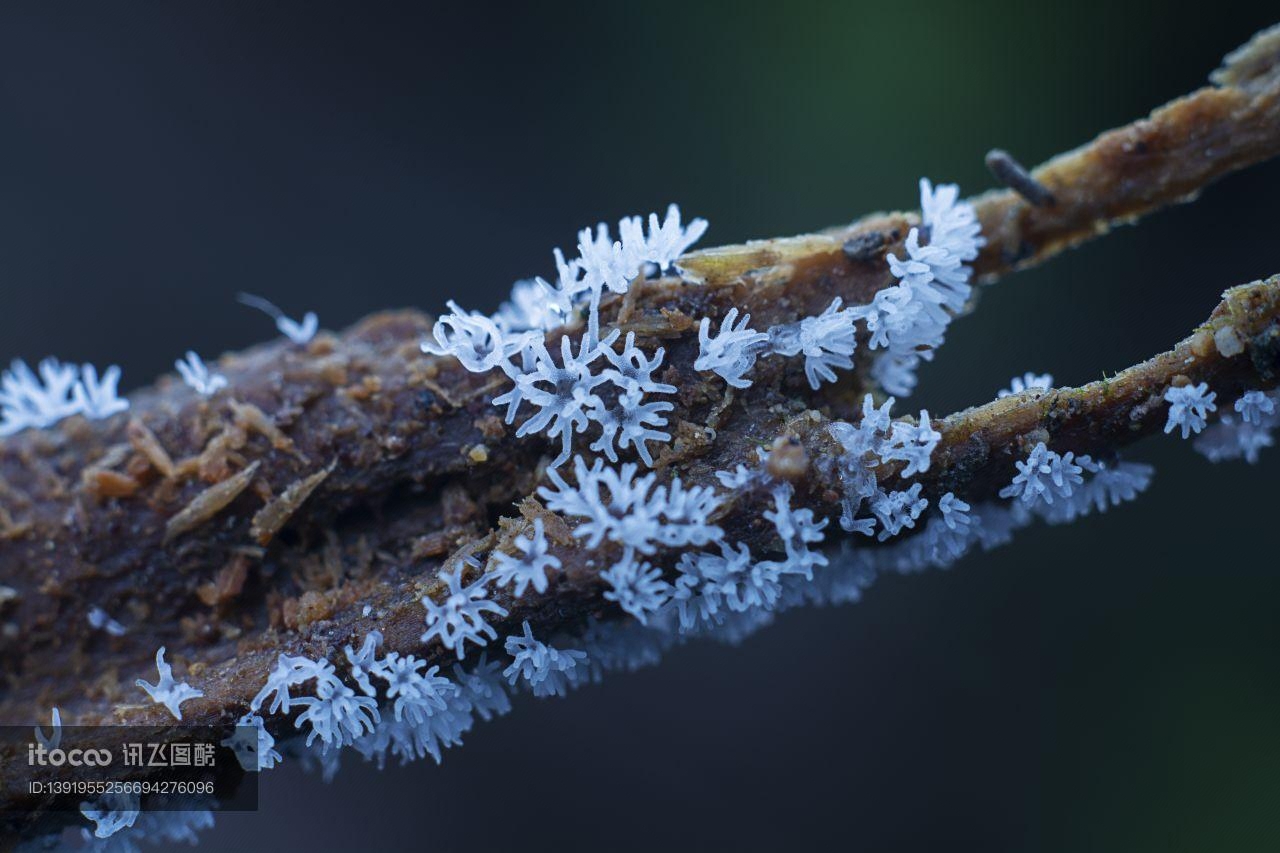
(145, 442)
(275, 514)
(422, 465)
(209, 503)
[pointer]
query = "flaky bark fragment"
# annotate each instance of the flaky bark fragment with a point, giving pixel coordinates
(243, 547)
(209, 503)
(145, 442)
(276, 513)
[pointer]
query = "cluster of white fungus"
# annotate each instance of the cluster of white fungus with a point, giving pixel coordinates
(1245, 433)
(462, 616)
(393, 704)
(591, 380)
(1242, 433)
(532, 565)
(906, 321)
(1027, 382)
(197, 376)
(167, 691)
(54, 391)
(300, 332)
(1189, 408)
(872, 445)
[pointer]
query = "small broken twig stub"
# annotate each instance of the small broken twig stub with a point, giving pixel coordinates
(1014, 175)
(209, 503)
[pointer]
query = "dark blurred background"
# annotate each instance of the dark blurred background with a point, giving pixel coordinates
(1113, 685)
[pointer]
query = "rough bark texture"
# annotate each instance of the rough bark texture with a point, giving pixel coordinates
(346, 473)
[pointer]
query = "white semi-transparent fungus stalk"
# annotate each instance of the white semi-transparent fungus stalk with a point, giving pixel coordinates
(1189, 408)
(530, 567)
(332, 710)
(1045, 475)
(911, 443)
(570, 394)
(253, 745)
(563, 393)
(955, 512)
(100, 620)
(196, 374)
(111, 813)
(898, 510)
(712, 586)
(875, 440)
(289, 671)
(1027, 382)
(628, 509)
(909, 320)
(59, 391)
(732, 351)
(363, 661)
(336, 714)
(167, 691)
(667, 240)
(1254, 407)
(28, 400)
(827, 342)
(637, 587)
(797, 529)
(298, 332)
(544, 669)
(607, 264)
(461, 616)
(475, 340)
(418, 695)
(97, 398)
(52, 740)
(632, 420)
(1245, 434)
(905, 321)
(531, 308)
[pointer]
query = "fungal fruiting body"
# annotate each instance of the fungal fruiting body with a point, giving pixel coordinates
(167, 691)
(300, 332)
(461, 616)
(31, 401)
(1027, 382)
(1189, 408)
(197, 376)
(531, 567)
(1246, 432)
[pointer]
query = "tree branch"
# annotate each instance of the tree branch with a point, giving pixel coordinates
(346, 474)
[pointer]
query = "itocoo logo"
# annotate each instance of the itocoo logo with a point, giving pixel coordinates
(40, 755)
